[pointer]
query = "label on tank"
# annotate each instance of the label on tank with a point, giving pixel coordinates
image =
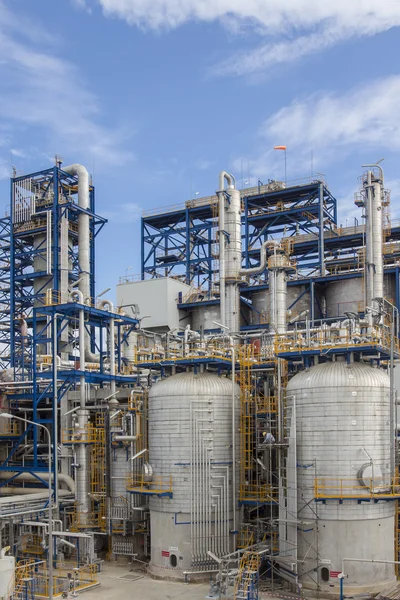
(173, 549)
(334, 573)
(165, 553)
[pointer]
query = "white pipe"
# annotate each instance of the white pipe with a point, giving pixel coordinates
(111, 341)
(19, 491)
(221, 234)
(82, 472)
(263, 261)
(125, 438)
(83, 240)
(62, 477)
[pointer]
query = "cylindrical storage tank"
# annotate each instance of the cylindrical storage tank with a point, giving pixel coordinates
(190, 444)
(344, 296)
(259, 314)
(7, 575)
(204, 317)
(342, 453)
(277, 300)
(298, 299)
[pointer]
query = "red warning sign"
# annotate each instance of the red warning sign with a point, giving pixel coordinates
(165, 553)
(334, 574)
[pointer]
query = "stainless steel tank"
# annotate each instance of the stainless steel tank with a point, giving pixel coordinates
(260, 313)
(344, 296)
(300, 295)
(190, 441)
(205, 317)
(343, 447)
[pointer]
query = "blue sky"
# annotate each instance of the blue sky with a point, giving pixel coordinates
(157, 96)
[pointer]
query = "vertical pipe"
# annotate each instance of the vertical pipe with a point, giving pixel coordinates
(393, 428)
(55, 411)
(191, 477)
(369, 266)
(221, 238)
(233, 437)
(321, 230)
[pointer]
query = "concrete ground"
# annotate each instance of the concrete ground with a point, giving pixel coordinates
(119, 583)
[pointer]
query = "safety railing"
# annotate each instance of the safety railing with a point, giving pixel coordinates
(10, 428)
(32, 544)
(266, 404)
(158, 486)
(82, 435)
(324, 339)
(66, 581)
(350, 488)
(245, 538)
(95, 520)
(25, 570)
(258, 492)
(198, 294)
(157, 353)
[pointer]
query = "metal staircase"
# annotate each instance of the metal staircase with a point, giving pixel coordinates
(246, 582)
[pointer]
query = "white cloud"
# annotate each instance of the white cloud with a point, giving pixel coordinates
(38, 89)
(305, 26)
(332, 126)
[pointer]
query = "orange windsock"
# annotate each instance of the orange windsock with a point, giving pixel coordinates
(279, 147)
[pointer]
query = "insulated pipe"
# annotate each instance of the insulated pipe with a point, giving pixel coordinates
(62, 477)
(263, 261)
(83, 240)
(82, 455)
(19, 491)
(111, 341)
(125, 438)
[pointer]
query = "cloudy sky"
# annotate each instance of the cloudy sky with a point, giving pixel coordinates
(157, 96)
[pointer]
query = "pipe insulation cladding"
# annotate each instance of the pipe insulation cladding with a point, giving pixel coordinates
(190, 440)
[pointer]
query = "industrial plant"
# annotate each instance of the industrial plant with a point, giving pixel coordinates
(231, 418)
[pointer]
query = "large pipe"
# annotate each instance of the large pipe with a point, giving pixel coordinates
(82, 452)
(111, 341)
(263, 262)
(83, 241)
(62, 477)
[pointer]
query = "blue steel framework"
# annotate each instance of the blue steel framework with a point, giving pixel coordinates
(50, 384)
(179, 243)
(42, 389)
(38, 194)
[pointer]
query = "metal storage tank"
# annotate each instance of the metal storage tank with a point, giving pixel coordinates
(260, 301)
(204, 317)
(344, 296)
(190, 440)
(293, 293)
(348, 295)
(343, 436)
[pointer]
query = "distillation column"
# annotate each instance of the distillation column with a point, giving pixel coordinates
(373, 194)
(230, 252)
(278, 268)
(230, 245)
